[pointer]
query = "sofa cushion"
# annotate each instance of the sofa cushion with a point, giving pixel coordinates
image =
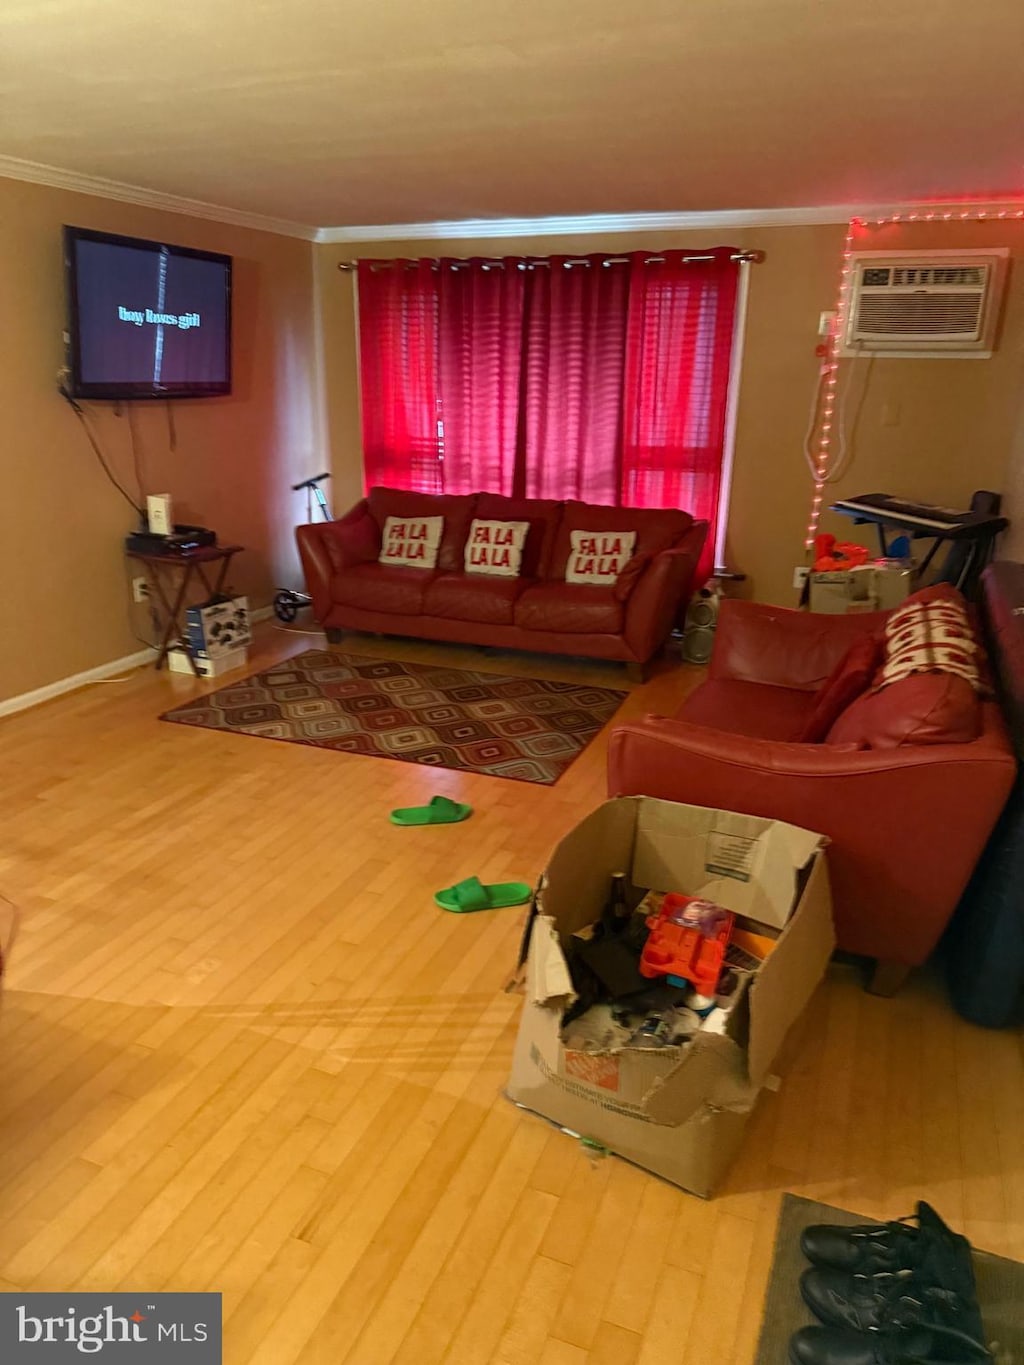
(457, 513)
(569, 608)
(495, 547)
(598, 556)
(411, 542)
(355, 541)
(630, 576)
(382, 587)
(655, 529)
(541, 513)
(924, 708)
(471, 597)
(850, 679)
(757, 710)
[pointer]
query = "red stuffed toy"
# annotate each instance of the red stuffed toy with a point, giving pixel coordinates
(831, 555)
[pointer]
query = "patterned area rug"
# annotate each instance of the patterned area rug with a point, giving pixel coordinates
(522, 728)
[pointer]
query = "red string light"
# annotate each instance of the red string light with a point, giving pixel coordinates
(829, 374)
(830, 379)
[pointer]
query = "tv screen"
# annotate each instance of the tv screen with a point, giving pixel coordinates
(146, 320)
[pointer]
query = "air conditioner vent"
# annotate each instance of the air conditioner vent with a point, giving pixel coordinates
(970, 275)
(937, 304)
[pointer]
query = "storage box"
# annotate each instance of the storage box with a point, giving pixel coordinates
(838, 591)
(177, 660)
(877, 586)
(894, 581)
(218, 628)
(679, 1112)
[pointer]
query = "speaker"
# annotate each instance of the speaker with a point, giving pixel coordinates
(701, 620)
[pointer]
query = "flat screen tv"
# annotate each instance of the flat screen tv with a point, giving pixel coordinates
(145, 319)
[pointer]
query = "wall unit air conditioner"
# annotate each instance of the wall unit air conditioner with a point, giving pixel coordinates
(924, 304)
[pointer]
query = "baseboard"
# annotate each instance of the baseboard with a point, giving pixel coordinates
(56, 689)
(62, 685)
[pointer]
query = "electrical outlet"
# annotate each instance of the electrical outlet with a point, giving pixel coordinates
(800, 575)
(140, 589)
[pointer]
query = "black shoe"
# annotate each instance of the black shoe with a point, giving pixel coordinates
(871, 1248)
(911, 1298)
(939, 1291)
(910, 1346)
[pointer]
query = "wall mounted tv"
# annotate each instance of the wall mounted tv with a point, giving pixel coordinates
(145, 319)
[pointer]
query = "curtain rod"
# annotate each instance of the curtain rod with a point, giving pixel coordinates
(744, 257)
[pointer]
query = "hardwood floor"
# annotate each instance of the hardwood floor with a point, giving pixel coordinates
(242, 1051)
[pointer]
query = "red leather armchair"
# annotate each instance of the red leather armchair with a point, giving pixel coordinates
(907, 824)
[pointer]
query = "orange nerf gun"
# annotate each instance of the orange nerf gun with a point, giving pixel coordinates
(687, 942)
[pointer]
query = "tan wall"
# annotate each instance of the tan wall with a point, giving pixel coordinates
(61, 523)
(939, 429)
(929, 429)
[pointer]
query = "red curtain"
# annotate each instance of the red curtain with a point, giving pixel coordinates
(676, 385)
(575, 344)
(606, 381)
(398, 334)
(480, 348)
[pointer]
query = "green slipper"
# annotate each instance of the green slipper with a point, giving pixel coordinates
(439, 811)
(472, 894)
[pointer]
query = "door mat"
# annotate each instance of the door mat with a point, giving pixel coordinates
(1000, 1287)
(527, 729)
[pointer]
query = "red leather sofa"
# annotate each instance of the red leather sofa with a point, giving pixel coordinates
(537, 610)
(907, 821)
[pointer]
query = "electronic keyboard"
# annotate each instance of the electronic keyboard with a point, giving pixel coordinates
(921, 518)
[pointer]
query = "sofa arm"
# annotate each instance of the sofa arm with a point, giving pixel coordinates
(653, 606)
(755, 642)
(907, 826)
(323, 550)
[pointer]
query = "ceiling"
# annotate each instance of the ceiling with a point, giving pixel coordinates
(346, 112)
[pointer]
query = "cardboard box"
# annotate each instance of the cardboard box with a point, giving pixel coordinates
(838, 591)
(878, 586)
(177, 660)
(895, 580)
(218, 628)
(679, 1112)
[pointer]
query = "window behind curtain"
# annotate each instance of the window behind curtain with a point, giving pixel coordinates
(606, 381)
(398, 371)
(480, 350)
(682, 317)
(571, 403)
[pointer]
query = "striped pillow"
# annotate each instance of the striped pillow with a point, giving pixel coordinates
(930, 633)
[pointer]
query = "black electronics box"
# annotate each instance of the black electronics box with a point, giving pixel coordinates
(184, 539)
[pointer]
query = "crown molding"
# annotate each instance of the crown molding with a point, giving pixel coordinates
(478, 229)
(13, 168)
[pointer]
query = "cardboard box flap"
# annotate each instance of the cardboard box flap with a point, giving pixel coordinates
(803, 844)
(547, 974)
(711, 1072)
(789, 976)
(577, 879)
(748, 864)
